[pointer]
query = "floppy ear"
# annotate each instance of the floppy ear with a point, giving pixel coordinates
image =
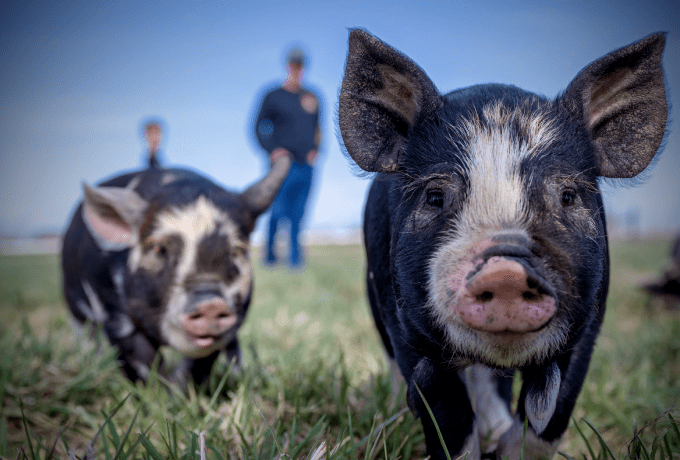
(113, 216)
(622, 100)
(384, 94)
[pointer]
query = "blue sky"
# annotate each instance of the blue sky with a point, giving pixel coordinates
(77, 78)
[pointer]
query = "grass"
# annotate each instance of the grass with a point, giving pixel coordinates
(314, 384)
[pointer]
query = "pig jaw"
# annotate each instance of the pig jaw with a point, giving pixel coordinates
(493, 306)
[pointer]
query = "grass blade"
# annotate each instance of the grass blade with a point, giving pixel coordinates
(370, 436)
(667, 443)
(439, 433)
(605, 448)
(126, 435)
(351, 434)
(316, 429)
(585, 440)
(674, 425)
(150, 449)
(26, 431)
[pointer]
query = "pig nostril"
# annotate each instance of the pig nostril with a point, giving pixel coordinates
(222, 316)
(485, 296)
(528, 295)
(195, 316)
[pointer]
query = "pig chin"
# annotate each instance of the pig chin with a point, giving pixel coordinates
(190, 346)
(504, 349)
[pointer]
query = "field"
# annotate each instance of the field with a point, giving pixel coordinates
(314, 384)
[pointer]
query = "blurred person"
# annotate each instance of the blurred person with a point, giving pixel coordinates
(153, 134)
(288, 124)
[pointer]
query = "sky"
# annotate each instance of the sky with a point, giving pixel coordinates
(78, 79)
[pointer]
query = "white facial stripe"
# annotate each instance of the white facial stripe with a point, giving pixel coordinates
(191, 223)
(496, 196)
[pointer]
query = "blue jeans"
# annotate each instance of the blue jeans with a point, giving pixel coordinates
(290, 203)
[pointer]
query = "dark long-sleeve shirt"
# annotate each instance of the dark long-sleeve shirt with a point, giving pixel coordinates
(289, 120)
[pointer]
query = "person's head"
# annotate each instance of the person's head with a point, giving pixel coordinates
(295, 64)
(153, 134)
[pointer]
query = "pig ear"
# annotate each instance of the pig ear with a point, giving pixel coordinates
(622, 100)
(384, 94)
(259, 196)
(113, 215)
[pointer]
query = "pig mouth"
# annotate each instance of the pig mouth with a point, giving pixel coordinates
(206, 335)
(204, 341)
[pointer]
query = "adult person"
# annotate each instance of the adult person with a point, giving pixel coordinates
(153, 134)
(288, 124)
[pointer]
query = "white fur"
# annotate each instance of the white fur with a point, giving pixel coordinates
(491, 412)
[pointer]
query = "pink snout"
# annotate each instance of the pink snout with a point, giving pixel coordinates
(501, 297)
(209, 321)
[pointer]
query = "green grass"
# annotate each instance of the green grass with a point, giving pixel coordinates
(314, 384)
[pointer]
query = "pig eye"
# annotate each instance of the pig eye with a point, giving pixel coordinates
(568, 198)
(435, 198)
(161, 250)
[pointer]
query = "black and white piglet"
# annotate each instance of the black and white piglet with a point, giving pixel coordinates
(161, 257)
(485, 233)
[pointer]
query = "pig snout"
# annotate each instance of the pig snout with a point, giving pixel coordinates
(209, 321)
(505, 294)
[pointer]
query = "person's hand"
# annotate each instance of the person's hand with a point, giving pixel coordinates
(311, 156)
(277, 153)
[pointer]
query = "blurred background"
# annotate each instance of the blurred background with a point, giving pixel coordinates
(78, 79)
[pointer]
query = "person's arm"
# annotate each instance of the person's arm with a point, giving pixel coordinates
(313, 154)
(264, 125)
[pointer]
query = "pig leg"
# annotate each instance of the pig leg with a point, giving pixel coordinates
(136, 354)
(233, 351)
(200, 368)
(491, 393)
(447, 397)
